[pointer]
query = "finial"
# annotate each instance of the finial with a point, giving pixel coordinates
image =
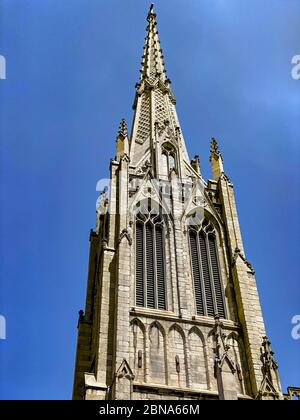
(216, 160)
(214, 149)
(195, 163)
(80, 317)
(122, 141)
(122, 132)
(267, 355)
(151, 11)
(152, 62)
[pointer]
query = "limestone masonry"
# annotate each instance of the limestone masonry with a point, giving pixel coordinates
(172, 309)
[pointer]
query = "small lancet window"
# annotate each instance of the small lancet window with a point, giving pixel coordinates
(168, 160)
(171, 161)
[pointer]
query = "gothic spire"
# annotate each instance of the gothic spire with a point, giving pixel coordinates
(214, 149)
(122, 132)
(152, 60)
(155, 120)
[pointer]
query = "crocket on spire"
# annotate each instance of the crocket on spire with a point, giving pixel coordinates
(155, 119)
(123, 129)
(152, 61)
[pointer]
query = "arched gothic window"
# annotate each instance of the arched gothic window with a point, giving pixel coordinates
(168, 159)
(206, 271)
(150, 261)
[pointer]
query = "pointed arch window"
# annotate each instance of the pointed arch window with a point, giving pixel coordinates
(209, 295)
(168, 159)
(150, 262)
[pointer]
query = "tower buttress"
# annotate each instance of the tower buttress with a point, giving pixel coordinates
(243, 275)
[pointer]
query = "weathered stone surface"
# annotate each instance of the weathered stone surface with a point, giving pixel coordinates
(129, 352)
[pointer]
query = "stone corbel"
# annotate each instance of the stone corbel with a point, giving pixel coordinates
(125, 158)
(91, 382)
(126, 233)
(125, 371)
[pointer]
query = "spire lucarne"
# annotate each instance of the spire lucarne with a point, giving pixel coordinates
(155, 119)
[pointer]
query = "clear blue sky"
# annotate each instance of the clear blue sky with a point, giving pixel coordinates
(71, 70)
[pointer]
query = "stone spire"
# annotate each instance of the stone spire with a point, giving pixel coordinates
(155, 119)
(152, 59)
(214, 149)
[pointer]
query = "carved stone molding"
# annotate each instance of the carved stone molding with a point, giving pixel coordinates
(126, 233)
(237, 254)
(222, 348)
(269, 385)
(125, 372)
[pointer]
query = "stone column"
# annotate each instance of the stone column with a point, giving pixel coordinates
(179, 247)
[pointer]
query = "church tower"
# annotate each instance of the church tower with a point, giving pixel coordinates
(172, 309)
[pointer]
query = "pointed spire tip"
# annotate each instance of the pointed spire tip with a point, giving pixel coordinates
(153, 62)
(214, 149)
(151, 11)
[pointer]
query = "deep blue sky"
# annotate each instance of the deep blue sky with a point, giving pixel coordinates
(71, 70)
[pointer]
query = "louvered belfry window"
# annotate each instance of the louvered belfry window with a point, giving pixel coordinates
(206, 272)
(150, 262)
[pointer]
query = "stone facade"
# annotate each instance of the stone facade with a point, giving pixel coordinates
(126, 351)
